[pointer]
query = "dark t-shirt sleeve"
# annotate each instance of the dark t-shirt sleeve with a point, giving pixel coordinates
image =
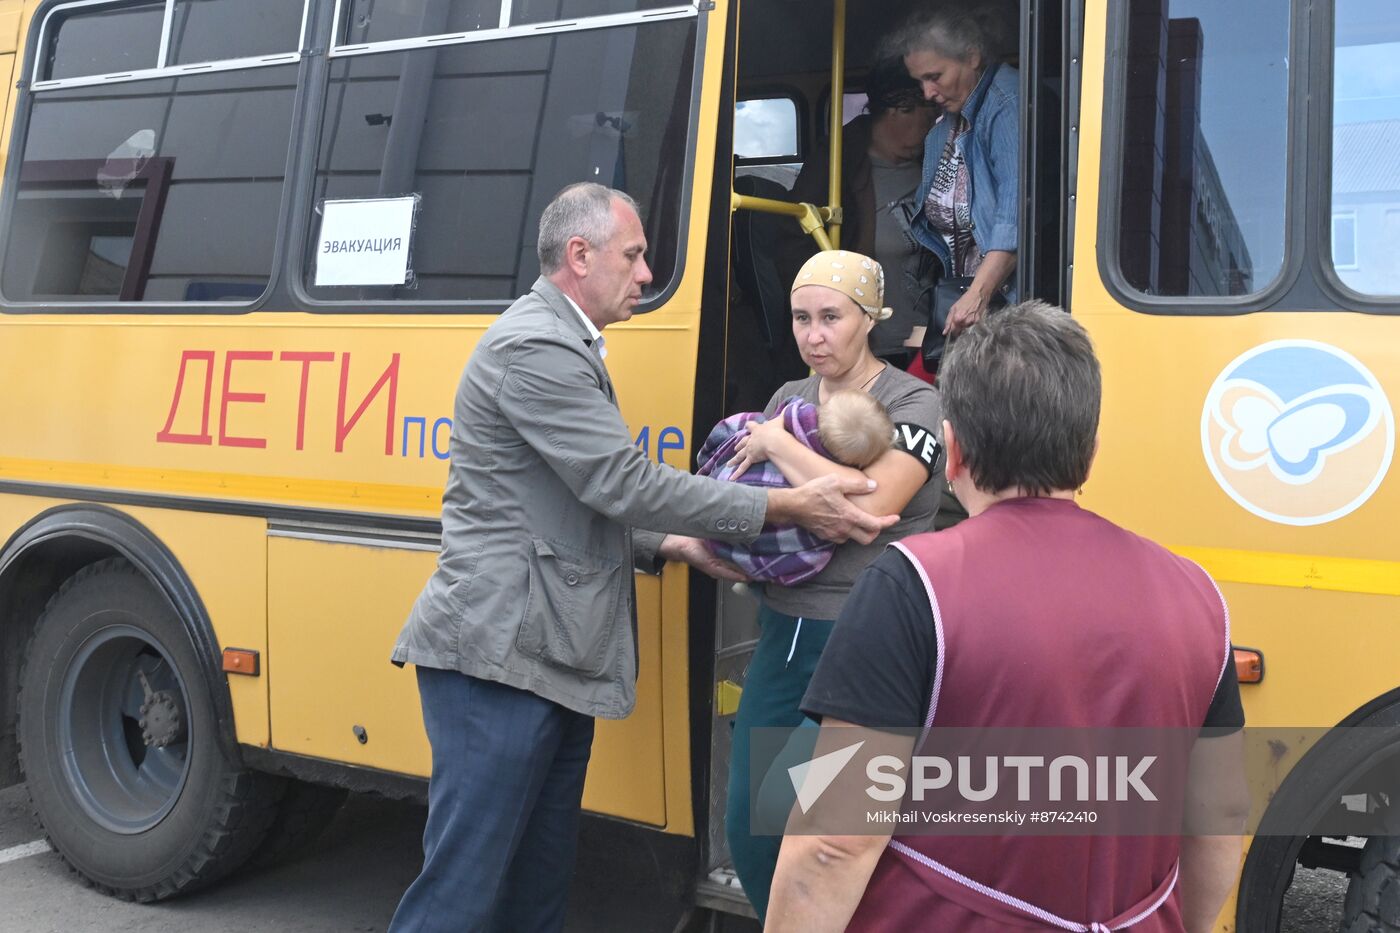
(1226, 713)
(877, 668)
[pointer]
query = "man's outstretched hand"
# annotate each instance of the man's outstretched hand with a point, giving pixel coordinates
(822, 508)
(692, 551)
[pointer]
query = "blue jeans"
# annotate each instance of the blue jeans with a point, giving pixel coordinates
(503, 809)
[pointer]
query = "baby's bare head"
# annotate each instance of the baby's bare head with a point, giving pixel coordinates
(855, 428)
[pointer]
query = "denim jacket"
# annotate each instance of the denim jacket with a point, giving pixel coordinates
(992, 152)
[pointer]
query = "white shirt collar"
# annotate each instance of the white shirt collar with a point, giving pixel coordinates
(594, 333)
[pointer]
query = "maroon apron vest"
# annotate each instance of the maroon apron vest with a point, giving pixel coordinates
(1049, 616)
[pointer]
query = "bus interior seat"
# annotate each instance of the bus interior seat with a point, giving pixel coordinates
(755, 268)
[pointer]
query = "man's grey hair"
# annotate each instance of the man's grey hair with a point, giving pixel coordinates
(580, 210)
(953, 30)
(1021, 389)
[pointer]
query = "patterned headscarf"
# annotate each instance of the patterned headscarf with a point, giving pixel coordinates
(858, 277)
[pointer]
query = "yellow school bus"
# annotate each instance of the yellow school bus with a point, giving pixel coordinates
(247, 245)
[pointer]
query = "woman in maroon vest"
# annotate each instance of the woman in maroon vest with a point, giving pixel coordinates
(1032, 613)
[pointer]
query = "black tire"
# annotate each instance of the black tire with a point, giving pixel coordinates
(1348, 760)
(1373, 895)
(137, 820)
(302, 814)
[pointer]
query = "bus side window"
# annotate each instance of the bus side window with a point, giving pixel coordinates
(83, 41)
(216, 30)
(375, 21)
(767, 143)
(766, 128)
(1365, 138)
(368, 21)
(121, 176)
(1203, 165)
(544, 11)
(497, 132)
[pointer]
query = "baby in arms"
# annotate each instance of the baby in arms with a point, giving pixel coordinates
(850, 427)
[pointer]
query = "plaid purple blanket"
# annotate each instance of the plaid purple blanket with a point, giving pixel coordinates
(781, 554)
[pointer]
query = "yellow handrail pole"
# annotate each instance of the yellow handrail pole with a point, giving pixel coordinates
(838, 88)
(808, 215)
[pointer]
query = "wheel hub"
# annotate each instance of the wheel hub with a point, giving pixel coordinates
(123, 709)
(161, 722)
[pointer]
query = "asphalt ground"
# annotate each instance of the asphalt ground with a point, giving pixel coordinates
(352, 879)
(351, 883)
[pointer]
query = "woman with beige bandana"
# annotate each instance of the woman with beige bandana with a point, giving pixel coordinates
(837, 299)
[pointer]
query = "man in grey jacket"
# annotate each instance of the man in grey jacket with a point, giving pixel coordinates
(527, 630)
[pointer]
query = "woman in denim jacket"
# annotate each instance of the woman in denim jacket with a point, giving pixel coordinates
(970, 192)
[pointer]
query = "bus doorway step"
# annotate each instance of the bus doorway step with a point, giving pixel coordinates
(720, 907)
(722, 891)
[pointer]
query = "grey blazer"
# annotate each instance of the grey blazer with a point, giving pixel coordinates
(534, 586)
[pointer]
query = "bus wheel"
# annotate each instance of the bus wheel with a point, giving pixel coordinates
(303, 813)
(1373, 897)
(119, 748)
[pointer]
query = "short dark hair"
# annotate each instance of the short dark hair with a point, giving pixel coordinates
(1022, 390)
(888, 86)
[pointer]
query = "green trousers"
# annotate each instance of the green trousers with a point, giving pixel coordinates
(782, 666)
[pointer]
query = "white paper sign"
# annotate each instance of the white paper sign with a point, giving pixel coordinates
(365, 242)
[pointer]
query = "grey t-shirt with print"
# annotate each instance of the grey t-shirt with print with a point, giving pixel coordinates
(916, 409)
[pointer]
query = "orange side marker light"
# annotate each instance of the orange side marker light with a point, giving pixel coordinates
(1249, 665)
(241, 661)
